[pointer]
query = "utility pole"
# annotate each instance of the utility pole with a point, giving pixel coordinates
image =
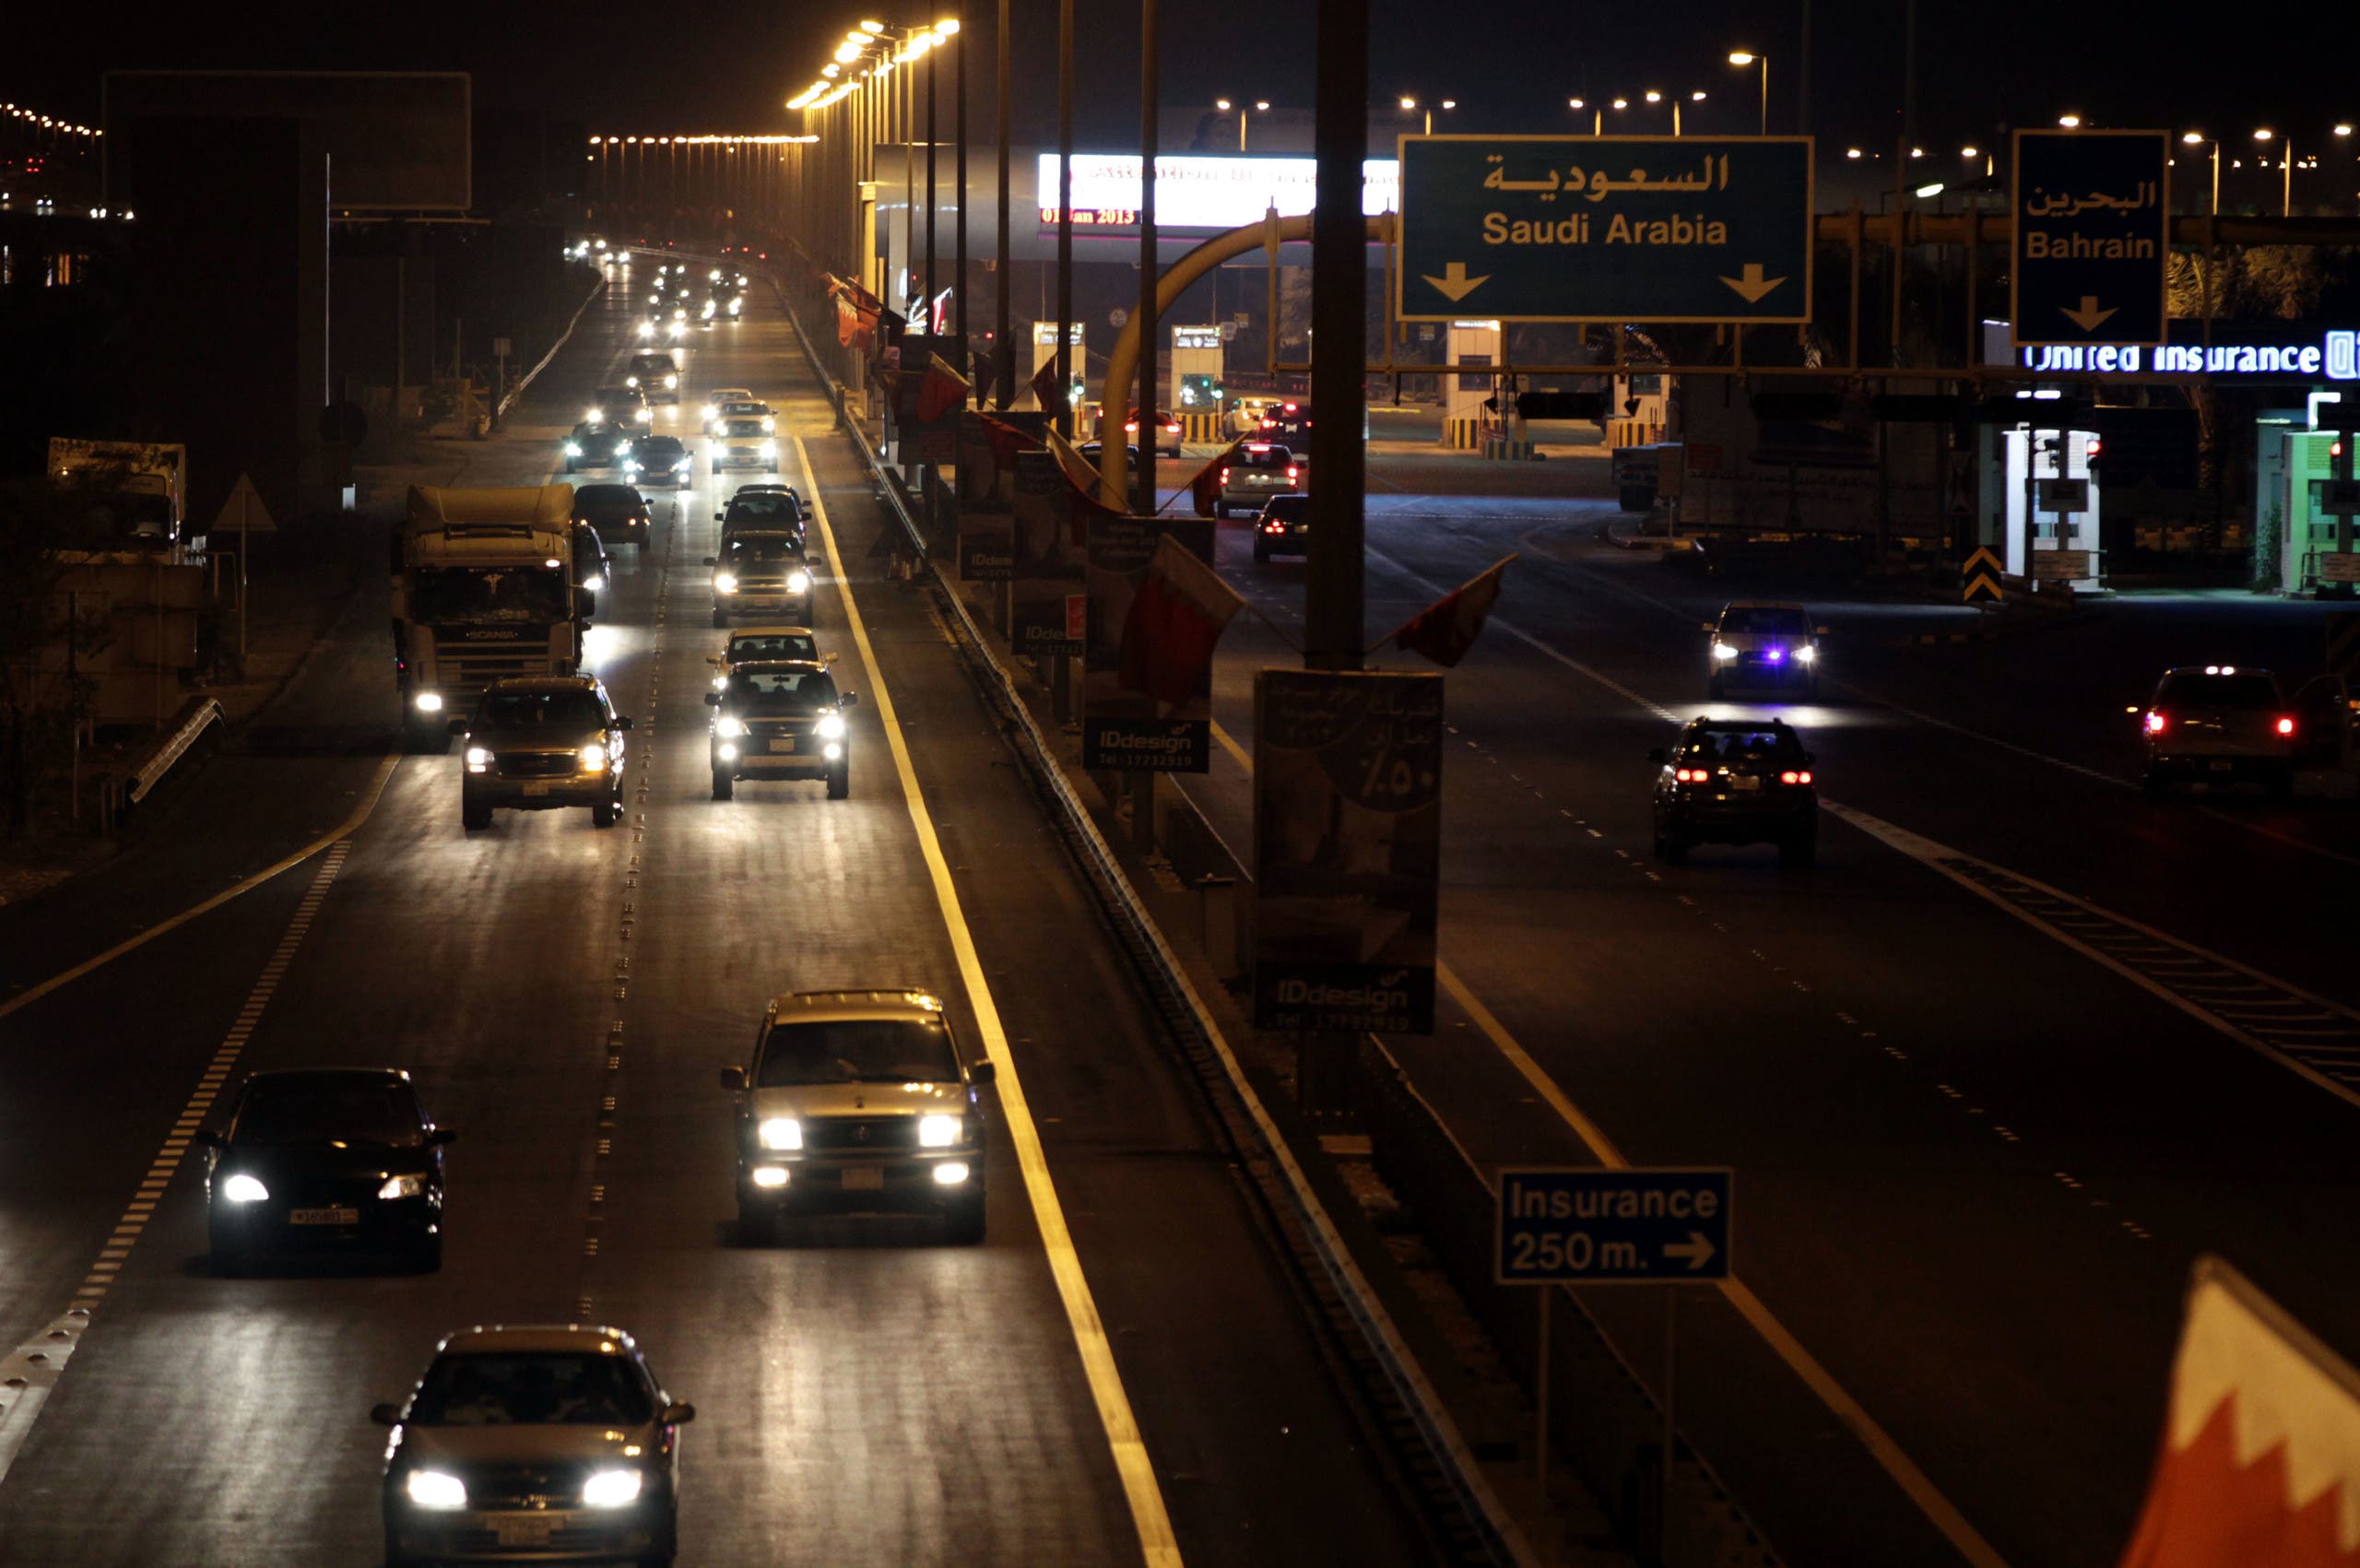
(1335, 572)
(1003, 353)
(1143, 483)
(1065, 216)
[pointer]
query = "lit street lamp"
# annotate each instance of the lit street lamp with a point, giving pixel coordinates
(1744, 57)
(1261, 106)
(1410, 105)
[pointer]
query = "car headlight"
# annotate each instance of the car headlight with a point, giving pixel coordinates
(593, 416)
(594, 757)
(242, 1188)
(593, 581)
(574, 449)
(728, 727)
(724, 583)
(646, 329)
(770, 423)
(683, 465)
(402, 1187)
(671, 383)
(769, 449)
(1723, 651)
(477, 758)
(950, 1172)
(937, 1132)
(798, 581)
(1806, 655)
(630, 381)
(769, 1175)
(429, 702)
(708, 413)
(831, 727)
(781, 1132)
(611, 1489)
(436, 1490)
(646, 416)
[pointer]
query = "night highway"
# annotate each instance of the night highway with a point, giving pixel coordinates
(563, 998)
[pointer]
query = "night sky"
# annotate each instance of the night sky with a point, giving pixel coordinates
(660, 68)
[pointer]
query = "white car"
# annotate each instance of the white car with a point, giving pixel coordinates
(743, 441)
(745, 409)
(1762, 644)
(720, 397)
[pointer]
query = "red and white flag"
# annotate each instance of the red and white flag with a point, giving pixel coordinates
(2260, 1466)
(858, 312)
(942, 390)
(1445, 630)
(1175, 622)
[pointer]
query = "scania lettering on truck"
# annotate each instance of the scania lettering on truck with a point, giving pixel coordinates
(483, 590)
(141, 488)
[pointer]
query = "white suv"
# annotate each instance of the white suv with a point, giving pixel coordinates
(1762, 644)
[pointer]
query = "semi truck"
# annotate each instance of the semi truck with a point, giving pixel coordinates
(138, 489)
(483, 590)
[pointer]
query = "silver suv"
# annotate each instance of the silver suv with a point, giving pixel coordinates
(858, 1101)
(2220, 724)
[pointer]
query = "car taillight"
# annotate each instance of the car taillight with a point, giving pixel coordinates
(1224, 476)
(1690, 775)
(1274, 526)
(2285, 726)
(2155, 722)
(1291, 472)
(1795, 777)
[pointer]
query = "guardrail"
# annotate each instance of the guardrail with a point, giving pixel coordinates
(500, 410)
(1495, 1531)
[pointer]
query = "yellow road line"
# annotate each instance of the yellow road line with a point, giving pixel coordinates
(1158, 1545)
(1939, 1510)
(344, 830)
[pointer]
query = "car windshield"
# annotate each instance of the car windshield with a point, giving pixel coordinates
(858, 1050)
(545, 1389)
(590, 496)
(654, 364)
(742, 429)
(667, 448)
(1268, 458)
(1291, 507)
(780, 691)
(567, 711)
(744, 552)
(493, 593)
(362, 1109)
(2245, 689)
(760, 504)
(770, 645)
(1742, 745)
(1759, 621)
(617, 394)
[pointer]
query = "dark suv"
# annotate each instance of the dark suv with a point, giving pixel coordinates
(1283, 527)
(596, 447)
(780, 719)
(1734, 781)
(539, 743)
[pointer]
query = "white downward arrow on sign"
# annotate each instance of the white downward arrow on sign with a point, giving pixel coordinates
(1697, 1249)
(1454, 284)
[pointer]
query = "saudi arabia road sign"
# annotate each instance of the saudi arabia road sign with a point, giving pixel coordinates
(1584, 1226)
(1614, 228)
(2093, 232)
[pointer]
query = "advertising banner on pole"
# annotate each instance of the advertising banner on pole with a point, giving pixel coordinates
(1146, 695)
(1047, 557)
(1347, 849)
(986, 473)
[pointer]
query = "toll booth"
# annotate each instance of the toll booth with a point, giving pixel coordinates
(2050, 498)
(2306, 511)
(1045, 348)
(1197, 396)
(1474, 347)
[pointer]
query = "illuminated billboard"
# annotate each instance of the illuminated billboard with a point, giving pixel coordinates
(1200, 195)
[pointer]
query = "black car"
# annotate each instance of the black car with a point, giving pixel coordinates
(1283, 527)
(1736, 781)
(590, 569)
(326, 1158)
(618, 511)
(596, 446)
(764, 510)
(780, 719)
(661, 460)
(657, 375)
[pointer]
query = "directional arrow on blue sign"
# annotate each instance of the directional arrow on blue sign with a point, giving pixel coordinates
(1617, 229)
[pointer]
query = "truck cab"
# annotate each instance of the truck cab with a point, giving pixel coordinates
(484, 590)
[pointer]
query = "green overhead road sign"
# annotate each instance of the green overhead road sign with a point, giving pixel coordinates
(1612, 228)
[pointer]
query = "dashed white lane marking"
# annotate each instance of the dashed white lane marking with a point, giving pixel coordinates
(1158, 1547)
(31, 1373)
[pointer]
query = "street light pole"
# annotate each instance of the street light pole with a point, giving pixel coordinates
(1143, 483)
(959, 232)
(1003, 353)
(1743, 57)
(1064, 217)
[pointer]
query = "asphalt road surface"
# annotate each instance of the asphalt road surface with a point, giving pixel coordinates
(865, 1394)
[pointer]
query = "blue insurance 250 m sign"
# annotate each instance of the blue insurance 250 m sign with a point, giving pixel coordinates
(1618, 228)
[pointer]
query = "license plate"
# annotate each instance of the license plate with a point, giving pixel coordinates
(538, 787)
(2220, 764)
(864, 1178)
(786, 745)
(1744, 780)
(323, 1217)
(523, 1530)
